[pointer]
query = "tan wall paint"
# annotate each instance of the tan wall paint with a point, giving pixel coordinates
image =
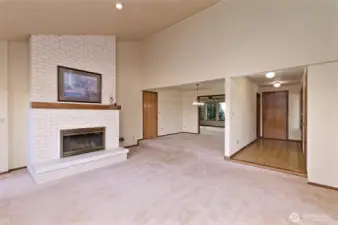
(14, 105)
(242, 37)
(169, 112)
(4, 106)
(129, 94)
(18, 104)
(322, 126)
(240, 119)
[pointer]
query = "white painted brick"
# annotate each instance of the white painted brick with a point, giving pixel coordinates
(47, 125)
(90, 53)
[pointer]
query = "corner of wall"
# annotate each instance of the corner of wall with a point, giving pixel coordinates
(4, 127)
(241, 102)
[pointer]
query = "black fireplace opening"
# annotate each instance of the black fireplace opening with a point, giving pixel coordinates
(81, 141)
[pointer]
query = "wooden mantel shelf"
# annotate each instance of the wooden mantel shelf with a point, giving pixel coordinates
(55, 105)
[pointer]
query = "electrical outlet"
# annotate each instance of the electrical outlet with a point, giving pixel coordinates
(237, 141)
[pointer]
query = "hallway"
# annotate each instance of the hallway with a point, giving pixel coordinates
(280, 154)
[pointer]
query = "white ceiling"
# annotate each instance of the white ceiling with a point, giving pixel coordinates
(285, 77)
(138, 19)
(206, 85)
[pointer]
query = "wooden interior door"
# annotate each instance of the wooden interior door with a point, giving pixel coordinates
(258, 115)
(275, 115)
(149, 115)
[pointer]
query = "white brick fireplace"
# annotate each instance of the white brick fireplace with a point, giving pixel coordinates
(89, 53)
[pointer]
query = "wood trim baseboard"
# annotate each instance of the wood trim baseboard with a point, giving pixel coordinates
(227, 158)
(55, 105)
(277, 139)
(183, 132)
(137, 144)
(3, 173)
(323, 186)
(233, 155)
(165, 135)
(12, 170)
(16, 169)
(131, 146)
(176, 134)
(213, 126)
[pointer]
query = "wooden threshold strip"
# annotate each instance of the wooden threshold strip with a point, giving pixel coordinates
(55, 105)
(268, 167)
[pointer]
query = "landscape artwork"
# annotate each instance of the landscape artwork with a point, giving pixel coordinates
(78, 86)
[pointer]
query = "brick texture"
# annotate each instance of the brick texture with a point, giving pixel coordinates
(90, 53)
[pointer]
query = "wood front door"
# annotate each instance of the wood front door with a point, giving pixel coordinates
(149, 115)
(275, 115)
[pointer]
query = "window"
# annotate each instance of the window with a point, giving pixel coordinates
(221, 109)
(211, 111)
(202, 112)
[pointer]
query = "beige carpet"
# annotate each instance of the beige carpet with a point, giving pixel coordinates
(180, 179)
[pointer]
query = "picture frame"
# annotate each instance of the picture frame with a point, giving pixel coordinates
(76, 85)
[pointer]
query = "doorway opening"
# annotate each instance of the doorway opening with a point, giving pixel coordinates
(280, 122)
(184, 114)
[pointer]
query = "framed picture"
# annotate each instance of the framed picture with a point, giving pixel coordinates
(79, 86)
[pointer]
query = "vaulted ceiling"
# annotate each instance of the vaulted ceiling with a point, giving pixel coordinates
(138, 19)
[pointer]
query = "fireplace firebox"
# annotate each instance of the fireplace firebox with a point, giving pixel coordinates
(80, 141)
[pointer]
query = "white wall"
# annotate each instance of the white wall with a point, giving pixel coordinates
(190, 112)
(293, 108)
(3, 106)
(322, 141)
(169, 112)
(240, 124)
(242, 37)
(18, 104)
(129, 94)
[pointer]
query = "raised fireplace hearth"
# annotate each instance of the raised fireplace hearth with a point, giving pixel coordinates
(81, 141)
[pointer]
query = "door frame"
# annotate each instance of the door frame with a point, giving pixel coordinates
(304, 115)
(198, 120)
(156, 94)
(258, 115)
(287, 114)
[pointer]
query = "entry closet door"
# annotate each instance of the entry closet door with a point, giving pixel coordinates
(149, 114)
(275, 114)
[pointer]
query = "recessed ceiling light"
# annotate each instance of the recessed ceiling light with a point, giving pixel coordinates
(276, 84)
(119, 5)
(270, 75)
